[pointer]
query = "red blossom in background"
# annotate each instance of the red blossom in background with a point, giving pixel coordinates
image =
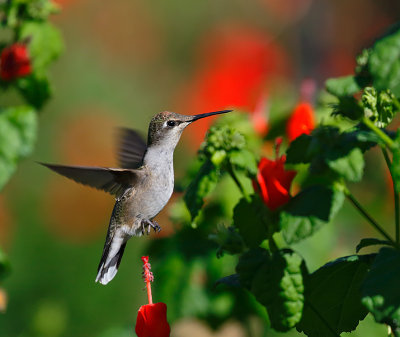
(236, 64)
(14, 62)
(151, 320)
(259, 117)
(273, 181)
(301, 121)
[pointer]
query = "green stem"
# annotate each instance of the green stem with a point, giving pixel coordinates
(396, 196)
(369, 218)
(382, 135)
(238, 183)
(396, 103)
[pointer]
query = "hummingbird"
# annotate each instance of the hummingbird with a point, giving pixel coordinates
(141, 186)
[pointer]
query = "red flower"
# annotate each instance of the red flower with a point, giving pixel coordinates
(14, 62)
(259, 116)
(152, 318)
(273, 182)
(236, 66)
(152, 321)
(301, 121)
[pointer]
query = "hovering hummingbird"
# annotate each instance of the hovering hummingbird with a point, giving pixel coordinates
(142, 186)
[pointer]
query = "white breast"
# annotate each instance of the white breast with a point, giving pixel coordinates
(159, 162)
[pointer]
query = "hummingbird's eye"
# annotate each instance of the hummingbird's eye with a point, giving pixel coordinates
(171, 123)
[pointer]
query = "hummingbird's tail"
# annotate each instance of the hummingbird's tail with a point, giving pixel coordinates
(110, 260)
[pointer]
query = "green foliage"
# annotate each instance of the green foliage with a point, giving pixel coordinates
(249, 262)
(259, 227)
(200, 187)
(308, 211)
(328, 301)
(384, 63)
(347, 106)
(380, 291)
(328, 148)
(342, 86)
(276, 280)
(332, 297)
(27, 20)
(221, 141)
(186, 269)
(278, 285)
(35, 89)
(395, 165)
(27, 10)
(228, 240)
(4, 265)
(45, 43)
(18, 127)
(225, 150)
(367, 242)
(379, 106)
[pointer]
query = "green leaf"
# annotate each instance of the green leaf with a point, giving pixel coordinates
(308, 211)
(228, 240)
(328, 148)
(4, 266)
(300, 150)
(18, 127)
(254, 221)
(200, 187)
(36, 89)
(244, 160)
(342, 86)
(45, 43)
(350, 167)
(347, 106)
(332, 297)
(18, 10)
(278, 285)
(371, 242)
(381, 291)
(384, 63)
(248, 263)
(40, 9)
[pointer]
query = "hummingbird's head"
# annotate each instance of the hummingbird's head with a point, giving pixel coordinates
(166, 127)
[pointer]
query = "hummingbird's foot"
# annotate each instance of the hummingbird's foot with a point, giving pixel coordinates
(152, 224)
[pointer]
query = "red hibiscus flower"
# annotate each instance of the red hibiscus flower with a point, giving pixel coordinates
(301, 121)
(152, 318)
(14, 62)
(273, 181)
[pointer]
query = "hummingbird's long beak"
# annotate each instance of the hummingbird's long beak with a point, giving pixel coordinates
(197, 117)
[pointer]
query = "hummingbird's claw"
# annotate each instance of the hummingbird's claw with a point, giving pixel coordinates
(155, 226)
(151, 224)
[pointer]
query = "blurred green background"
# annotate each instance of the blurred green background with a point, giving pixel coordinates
(124, 61)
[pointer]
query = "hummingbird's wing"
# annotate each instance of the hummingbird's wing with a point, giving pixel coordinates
(112, 180)
(131, 149)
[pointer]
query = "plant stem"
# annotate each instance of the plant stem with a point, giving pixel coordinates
(149, 297)
(238, 183)
(368, 217)
(396, 196)
(396, 103)
(382, 135)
